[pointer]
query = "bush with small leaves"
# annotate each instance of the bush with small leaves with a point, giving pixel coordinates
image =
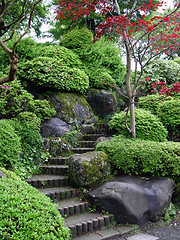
(139, 157)
(148, 126)
(151, 102)
(64, 55)
(41, 108)
(10, 145)
(51, 74)
(77, 38)
(28, 214)
(13, 99)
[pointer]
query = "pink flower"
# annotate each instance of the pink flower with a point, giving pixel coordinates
(101, 82)
(7, 87)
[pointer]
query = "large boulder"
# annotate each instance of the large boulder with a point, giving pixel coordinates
(88, 170)
(54, 127)
(134, 200)
(71, 108)
(102, 102)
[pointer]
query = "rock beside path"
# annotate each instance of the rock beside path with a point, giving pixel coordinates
(134, 200)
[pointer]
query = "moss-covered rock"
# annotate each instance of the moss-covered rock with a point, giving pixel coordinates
(71, 107)
(88, 170)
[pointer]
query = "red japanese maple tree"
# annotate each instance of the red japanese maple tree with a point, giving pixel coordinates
(143, 36)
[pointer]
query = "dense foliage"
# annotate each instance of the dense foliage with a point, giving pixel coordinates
(13, 99)
(10, 146)
(139, 157)
(41, 108)
(151, 102)
(50, 73)
(28, 214)
(27, 127)
(149, 127)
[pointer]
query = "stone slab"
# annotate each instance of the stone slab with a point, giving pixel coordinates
(123, 230)
(142, 237)
(105, 234)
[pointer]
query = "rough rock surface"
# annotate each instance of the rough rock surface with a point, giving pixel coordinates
(71, 108)
(101, 101)
(57, 146)
(86, 128)
(134, 200)
(88, 170)
(54, 127)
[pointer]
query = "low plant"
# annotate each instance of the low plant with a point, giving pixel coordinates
(73, 137)
(28, 214)
(139, 157)
(50, 73)
(148, 126)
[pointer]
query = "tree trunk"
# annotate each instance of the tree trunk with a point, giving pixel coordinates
(129, 90)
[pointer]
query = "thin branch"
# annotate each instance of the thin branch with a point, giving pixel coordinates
(4, 47)
(8, 8)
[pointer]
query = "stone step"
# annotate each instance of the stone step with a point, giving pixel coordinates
(101, 125)
(99, 131)
(87, 144)
(87, 222)
(48, 181)
(72, 206)
(54, 169)
(92, 137)
(59, 193)
(57, 160)
(82, 150)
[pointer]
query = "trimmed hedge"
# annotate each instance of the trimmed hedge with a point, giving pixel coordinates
(28, 214)
(148, 126)
(139, 157)
(50, 73)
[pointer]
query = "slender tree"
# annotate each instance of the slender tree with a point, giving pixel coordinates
(9, 25)
(142, 34)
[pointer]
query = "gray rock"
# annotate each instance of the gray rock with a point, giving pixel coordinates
(57, 146)
(54, 127)
(88, 170)
(93, 121)
(102, 139)
(134, 200)
(102, 102)
(71, 108)
(86, 128)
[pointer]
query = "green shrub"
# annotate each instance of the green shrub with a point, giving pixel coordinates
(27, 127)
(13, 99)
(49, 73)
(77, 38)
(101, 79)
(169, 113)
(64, 55)
(104, 54)
(28, 214)
(10, 145)
(148, 126)
(151, 102)
(10, 174)
(41, 108)
(139, 157)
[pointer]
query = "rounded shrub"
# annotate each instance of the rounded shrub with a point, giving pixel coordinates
(139, 157)
(101, 79)
(148, 126)
(13, 99)
(64, 55)
(52, 74)
(10, 145)
(169, 113)
(41, 108)
(28, 214)
(152, 102)
(77, 38)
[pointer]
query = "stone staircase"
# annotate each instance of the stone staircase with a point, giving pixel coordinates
(53, 182)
